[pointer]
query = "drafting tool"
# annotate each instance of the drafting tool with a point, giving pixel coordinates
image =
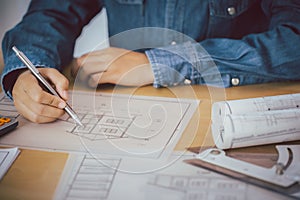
(282, 177)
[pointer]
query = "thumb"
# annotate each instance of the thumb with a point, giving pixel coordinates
(99, 78)
(60, 82)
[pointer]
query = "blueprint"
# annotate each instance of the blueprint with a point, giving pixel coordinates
(108, 178)
(256, 121)
(138, 126)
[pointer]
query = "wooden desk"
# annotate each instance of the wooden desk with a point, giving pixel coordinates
(34, 174)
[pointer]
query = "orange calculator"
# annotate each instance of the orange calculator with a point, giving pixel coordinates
(7, 124)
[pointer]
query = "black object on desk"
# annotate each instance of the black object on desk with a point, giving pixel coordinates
(7, 124)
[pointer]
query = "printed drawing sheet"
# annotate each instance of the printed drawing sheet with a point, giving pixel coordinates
(92, 177)
(114, 124)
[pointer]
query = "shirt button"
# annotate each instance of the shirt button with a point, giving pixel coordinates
(187, 82)
(231, 11)
(235, 81)
(173, 43)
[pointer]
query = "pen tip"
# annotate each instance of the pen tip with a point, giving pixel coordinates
(80, 124)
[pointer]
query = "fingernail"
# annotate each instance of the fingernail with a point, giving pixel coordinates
(62, 105)
(65, 93)
(92, 83)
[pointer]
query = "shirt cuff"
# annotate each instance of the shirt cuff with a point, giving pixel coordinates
(13, 65)
(170, 65)
(183, 64)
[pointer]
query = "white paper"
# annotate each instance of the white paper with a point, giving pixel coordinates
(140, 179)
(256, 121)
(7, 157)
(253, 105)
(114, 124)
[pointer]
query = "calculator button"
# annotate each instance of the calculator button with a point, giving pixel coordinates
(7, 124)
(5, 119)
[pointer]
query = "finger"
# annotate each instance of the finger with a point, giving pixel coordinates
(25, 90)
(33, 111)
(127, 77)
(90, 66)
(39, 96)
(96, 79)
(60, 82)
(30, 115)
(44, 105)
(48, 99)
(97, 62)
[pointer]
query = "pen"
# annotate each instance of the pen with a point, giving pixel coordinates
(37, 74)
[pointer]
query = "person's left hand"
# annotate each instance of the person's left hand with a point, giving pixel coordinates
(113, 65)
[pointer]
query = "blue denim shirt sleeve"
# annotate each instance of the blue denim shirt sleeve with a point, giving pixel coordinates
(187, 63)
(272, 55)
(46, 35)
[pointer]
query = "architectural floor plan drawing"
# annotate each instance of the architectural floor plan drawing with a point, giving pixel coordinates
(207, 186)
(88, 178)
(114, 124)
(102, 127)
(109, 178)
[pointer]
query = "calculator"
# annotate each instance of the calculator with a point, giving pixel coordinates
(7, 124)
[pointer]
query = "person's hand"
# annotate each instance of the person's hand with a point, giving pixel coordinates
(36, 104)
(114, 65)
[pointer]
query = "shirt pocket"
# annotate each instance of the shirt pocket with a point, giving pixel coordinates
(130, 2)
(136, 7)
(125, 13)
(225, 15)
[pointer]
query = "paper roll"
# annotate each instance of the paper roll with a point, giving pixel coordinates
(257, 128)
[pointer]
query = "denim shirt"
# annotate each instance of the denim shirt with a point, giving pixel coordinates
(216, 42)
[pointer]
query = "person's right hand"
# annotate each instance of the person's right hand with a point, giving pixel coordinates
(36, 104)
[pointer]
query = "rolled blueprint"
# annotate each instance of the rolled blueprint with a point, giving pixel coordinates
(243, 107)
(252, 105)
(240, 130)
